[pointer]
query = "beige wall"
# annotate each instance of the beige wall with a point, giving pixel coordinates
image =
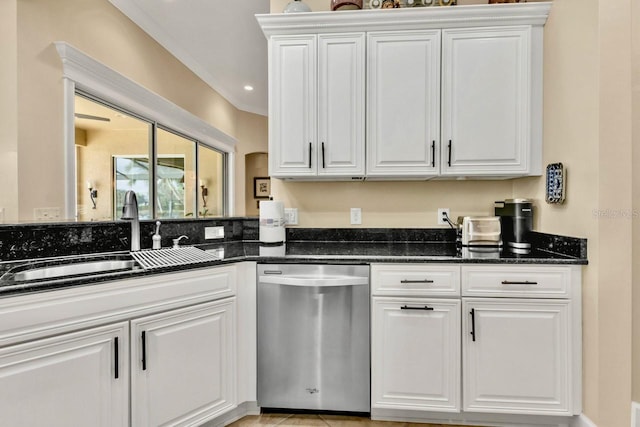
(587, 116)
(101, 31)
(636, 194)
(253, 138)
(9, 109)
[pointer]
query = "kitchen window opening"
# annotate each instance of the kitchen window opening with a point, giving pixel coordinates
(173, 175)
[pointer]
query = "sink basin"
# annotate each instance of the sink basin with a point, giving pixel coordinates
(64, 269)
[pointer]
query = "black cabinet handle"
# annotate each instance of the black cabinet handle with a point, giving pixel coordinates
(433, 154)
(116, 353)
(323, 155)
(144, 350)
(526, 282)
(309, 155)
(449, 161)
(426, 307)
(416, 281)
(473, 323)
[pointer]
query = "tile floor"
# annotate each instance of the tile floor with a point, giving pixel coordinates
(321, 420)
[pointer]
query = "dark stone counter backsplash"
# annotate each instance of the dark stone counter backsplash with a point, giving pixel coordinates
(34, 241)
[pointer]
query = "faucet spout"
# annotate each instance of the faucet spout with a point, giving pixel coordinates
(130, 212)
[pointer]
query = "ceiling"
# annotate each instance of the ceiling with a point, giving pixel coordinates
(219, 40)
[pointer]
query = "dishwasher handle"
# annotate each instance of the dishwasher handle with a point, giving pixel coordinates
(314, 281)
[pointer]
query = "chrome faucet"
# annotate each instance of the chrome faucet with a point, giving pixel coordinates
(130, 212)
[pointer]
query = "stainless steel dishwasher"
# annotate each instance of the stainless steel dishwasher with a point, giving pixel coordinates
(313, 337)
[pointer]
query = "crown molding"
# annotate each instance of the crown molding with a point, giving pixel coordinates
(405, 18)
(97, 79)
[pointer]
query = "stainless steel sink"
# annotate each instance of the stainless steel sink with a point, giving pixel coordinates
(52, 271)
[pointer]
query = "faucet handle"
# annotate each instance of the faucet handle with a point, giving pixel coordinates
(176, 242)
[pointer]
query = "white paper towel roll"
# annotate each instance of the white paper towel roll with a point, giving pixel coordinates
(272, 221)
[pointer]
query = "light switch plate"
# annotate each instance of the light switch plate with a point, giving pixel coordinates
(46, 214)
(356, 216)
(290, 216)
(213, 233)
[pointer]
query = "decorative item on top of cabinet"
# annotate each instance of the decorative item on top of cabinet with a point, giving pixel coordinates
(296, 6)
(346, 4)
(389, 4)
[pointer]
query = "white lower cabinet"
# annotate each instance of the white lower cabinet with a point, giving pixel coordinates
(416, 354)
(183, 365)
(517, 356)
(482, 343)
(75, 379)
(77, 356)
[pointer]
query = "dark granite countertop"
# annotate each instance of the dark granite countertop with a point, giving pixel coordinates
(549, 249)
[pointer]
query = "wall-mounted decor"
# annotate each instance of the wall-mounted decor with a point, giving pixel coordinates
(261, 187)
(389, 4)
(555, 183)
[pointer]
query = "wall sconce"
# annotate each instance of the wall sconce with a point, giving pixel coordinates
(205, 192)
(93, 193)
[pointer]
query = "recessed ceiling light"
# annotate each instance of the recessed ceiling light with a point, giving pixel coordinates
(248, 88)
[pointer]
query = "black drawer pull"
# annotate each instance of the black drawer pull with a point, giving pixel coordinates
(323, 166)
(473, 323)
(309, 155)
(426, 307)
(144, 350)
(526, 282)
(433, 154)
(449, 159)
(405, 281)
(116, 353)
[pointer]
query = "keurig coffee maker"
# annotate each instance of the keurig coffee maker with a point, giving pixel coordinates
(516, 222)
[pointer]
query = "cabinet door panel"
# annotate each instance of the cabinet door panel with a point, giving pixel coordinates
(415, 354)
(486, 101)
(403, 116)
(520, 359)
(188, 374)
(292, 106)
(341, 104)
(68, 380)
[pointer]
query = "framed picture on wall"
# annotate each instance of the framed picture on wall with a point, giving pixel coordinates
(261, 187)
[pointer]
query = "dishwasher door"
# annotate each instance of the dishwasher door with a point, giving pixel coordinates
(313, 337)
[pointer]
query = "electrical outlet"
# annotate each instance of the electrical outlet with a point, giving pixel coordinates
(46, 214)
(441, 217)
(356, 216)
(213, 233)
(290, 216)
(1, 215)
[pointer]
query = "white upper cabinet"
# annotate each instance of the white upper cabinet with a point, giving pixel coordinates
(292, 106)
(341, 104)
(450, 92)
(316, 106)
(487, 102)
(403, 103)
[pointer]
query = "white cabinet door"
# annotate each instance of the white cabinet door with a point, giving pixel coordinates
(183, 365)
(415, 346)
(486, 101)
(292, 106)
(76, 379)
(517, 356)
(341, 78)
(403, 98)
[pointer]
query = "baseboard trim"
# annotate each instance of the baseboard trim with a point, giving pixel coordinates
(635, 414)
(474, 419)
(583, 421)
(242, 410)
